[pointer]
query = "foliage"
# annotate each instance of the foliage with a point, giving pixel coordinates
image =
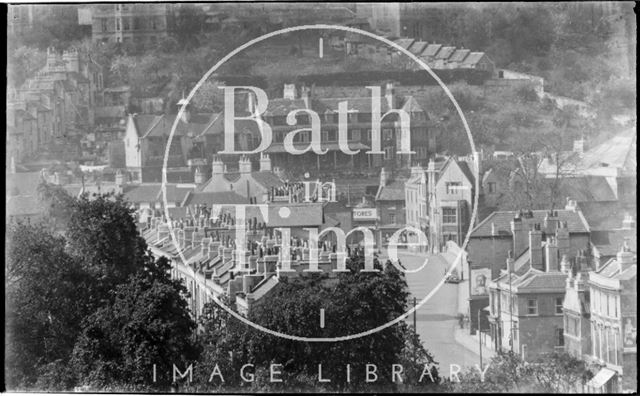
(90, 301)
(367, 300)
(46, 294)
(22, 63)
(52, 26)
(550, 373)
(147, 323)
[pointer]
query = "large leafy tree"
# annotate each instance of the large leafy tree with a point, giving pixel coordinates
(353, 303)
(147, 324)
(45, 302)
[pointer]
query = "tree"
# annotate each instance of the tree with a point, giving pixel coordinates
(102, 233)
(147, 324)
(46, 294)
(549, 373)
(22, 63)
(367, 299)
(189, 23)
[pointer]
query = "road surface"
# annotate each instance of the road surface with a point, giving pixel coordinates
(436, 319)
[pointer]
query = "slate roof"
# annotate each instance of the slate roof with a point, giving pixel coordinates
(282, 107)
(279, 147)
(611, 270)
(393, 191)
(445, 52)
(209, 198)
(618, 152)
(584, 188)
(472, 59)
(576, 223)
(536, 280)
(176, 192)
(431, 50)
(162, 124)
(299, 215)
(142, 193)
(605, 215)
(418, 46)
(267, 179)
(459, 55)
(404, 42)
(608, 243)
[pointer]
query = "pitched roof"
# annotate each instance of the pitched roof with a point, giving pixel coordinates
(142, 193)
(472, 59)
(209, 198)
(584, 188)
(618, 152)
(502, 222)
(161, 125)
(176, 192)
(290, 214)
(459, 55)
(267, 179)
(431, 50)
(393, 191)
(404, 42)
(445, 52)
(282, 107)
(611, 269)
(418, 46)
(605, 215)
(536, 280)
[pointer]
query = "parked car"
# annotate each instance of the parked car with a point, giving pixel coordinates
(452, 278)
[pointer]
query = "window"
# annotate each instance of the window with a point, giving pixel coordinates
(392, 218)
(332, 135)
(325, 136)
(449, 215)
(387, 134)
(103, 22)
(388, 152)
(532, 306)
(559, 337)
(491, 187)
(125, 24)
(422, 152)
(453, 187)
(355, 134)
(117, 23)
(559, 302)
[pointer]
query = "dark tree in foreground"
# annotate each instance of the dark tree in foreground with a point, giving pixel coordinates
(91, 307)
(45, 302)
(353, 303)
(147, 324)
(549, 373)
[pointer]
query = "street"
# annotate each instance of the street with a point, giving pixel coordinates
(436, 319)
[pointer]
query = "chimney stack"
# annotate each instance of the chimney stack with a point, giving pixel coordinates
(519, 236)
(384, 178)
(244, 165)
(562, 238)
(551, 255)
(565, 265)
(217, 167)
(198, 176)
(389, 94)
(535, 247)
(265, 163)
(305, 94)
(625, 257)
(510, 262)
(289, 91)
(571, 205)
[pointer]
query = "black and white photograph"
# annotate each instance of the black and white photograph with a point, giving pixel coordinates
(321, 197)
